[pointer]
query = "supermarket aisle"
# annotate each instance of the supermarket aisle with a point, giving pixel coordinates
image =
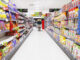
(39, 46)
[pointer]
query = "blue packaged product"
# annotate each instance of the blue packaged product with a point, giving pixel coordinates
(14, 42)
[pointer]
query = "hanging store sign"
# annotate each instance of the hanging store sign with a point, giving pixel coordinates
(23, 10)
(55, 9)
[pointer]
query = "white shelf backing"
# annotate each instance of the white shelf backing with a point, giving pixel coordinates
(65, 50)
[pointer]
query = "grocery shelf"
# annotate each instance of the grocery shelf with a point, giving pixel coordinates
(70, 28)
(6, 39)
(20, 22)
(4, 31)
(15, 28)
(73, 18)
(2, 19)
(65, 27)
(21, 30)
(14, 50)
(56, 27)
(12, 11)
(68, 38)
(22, 33)
(1, 7)
(20, 19)
(21, 25)
(66, 51)
(14, 20)
(60, 20)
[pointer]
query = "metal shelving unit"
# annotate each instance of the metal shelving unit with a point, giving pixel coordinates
(14, 50)
(65, 50)
(68, 38)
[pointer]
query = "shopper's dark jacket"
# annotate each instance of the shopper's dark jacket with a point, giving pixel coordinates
(39, 22)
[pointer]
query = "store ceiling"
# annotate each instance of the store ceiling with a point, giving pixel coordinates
(40, 5)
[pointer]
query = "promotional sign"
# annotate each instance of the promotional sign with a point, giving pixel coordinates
(52, 10)
(37, 14)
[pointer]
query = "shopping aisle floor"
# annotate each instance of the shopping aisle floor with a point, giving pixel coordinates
(39, 46)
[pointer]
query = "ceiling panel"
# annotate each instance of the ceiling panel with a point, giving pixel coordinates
(40, 5)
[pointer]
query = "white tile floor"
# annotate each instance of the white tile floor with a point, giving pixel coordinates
(39, 46)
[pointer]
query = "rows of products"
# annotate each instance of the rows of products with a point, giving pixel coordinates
(67, 43)
(65, 27)
(14, 27)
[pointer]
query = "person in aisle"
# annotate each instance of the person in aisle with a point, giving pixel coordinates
(39, 24)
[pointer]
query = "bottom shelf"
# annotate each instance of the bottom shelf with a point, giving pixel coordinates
(14, 50)
(65, 50)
